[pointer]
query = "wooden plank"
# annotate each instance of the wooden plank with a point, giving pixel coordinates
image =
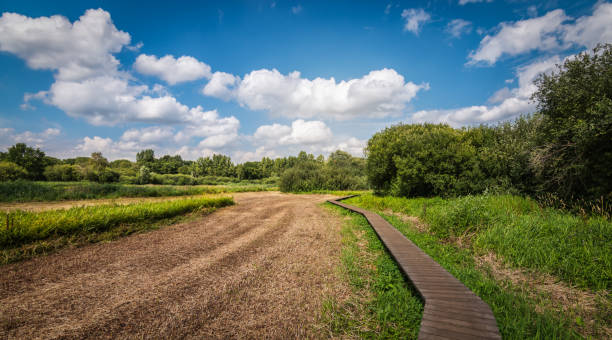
(452, 311)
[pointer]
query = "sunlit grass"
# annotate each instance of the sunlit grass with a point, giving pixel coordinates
(27, 191)
(574, 248)
(22, 227)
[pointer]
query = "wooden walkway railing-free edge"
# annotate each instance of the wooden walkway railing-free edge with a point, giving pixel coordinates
(452, 311)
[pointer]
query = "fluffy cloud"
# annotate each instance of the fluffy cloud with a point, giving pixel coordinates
(457, 27)
(352, 145)
(88, 83)
(9, 137)
(149, 135)
(520, 37)
(545, 33)
(414, 19)
(77, 51)
(590, 30)
(300, 132)
(511, 103)
(221, 85)
(378, 94)
(172, 70)
(272, 132)
(258, 154)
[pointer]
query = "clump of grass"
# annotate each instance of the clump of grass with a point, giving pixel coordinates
(27, 191)
(24, 227)
(384, 305)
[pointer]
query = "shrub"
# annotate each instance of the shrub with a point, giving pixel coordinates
(108, 176)
(574, 154)
(10, 171)
(423, 160)
(62, 172)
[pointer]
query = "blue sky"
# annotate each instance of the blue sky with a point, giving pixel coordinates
(270, 78)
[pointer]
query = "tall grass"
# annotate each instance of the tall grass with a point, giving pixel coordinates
(573, 248)
(27, 191)
(23, 227)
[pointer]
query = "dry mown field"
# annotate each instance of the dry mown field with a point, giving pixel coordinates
(259, 269)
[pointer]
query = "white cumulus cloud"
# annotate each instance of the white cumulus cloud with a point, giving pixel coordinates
(172, 70)
(414, 19)
(75, 50)
(378, 94)
(300, 132)
(221, 85)
(588, 31)
(522, 36)
(550, 32)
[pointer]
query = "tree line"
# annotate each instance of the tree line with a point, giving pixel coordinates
(21, 162)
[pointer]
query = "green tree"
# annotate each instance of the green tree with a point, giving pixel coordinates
(10, 171)
(144, 175)
(97, 161)
(32, 160)
(574, 147)
(423, 160)
(62, 172)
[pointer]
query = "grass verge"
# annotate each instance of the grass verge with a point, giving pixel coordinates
(27, 191)
(30, 233)
(382, 304)
(461, 229)
(575, 249)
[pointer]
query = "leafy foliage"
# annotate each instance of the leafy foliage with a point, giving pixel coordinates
(341, 172)
(30, 159)
(10, 171)
(574, 154)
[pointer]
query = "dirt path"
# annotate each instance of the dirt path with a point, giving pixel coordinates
(259, 269)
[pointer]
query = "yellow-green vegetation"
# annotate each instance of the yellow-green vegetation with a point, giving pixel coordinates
(27, 191)
(22, 228)
(382, 304)
(543, 241)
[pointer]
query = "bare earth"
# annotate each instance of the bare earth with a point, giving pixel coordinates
(259, 269)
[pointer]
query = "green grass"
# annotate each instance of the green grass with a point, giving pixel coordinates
(521, 312)
(27, 191)
(24, 227)
(383, 305)
(575, 249)
(340, 193)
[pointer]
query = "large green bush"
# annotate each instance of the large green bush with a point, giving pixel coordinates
(574, 154)
(10, 171)
(62, 173)
(423, 160)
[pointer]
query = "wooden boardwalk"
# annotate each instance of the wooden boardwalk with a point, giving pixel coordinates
(452, 311)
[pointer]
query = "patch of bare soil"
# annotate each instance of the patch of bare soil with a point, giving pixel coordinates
(259, 269)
